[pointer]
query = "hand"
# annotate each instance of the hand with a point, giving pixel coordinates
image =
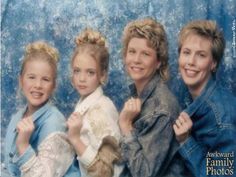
(74, 124)
(128, 114)
(25, 128)
(182, 127)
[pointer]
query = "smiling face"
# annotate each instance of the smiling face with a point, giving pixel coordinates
(37, 82)
(140, 61)
(196, 63)
(85, 77)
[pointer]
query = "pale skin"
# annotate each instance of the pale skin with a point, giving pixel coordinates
(37, 85)
(182, 127)
(141, 64)
(25, 128)
(86, 80)
(196, 65)
(131, 109)
(74, 125)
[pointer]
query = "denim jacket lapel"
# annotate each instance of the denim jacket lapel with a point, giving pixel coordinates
(193, 105)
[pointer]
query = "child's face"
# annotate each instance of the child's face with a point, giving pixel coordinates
(37, 83)
(85, 77)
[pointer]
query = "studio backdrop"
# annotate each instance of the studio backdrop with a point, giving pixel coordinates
(58, 22)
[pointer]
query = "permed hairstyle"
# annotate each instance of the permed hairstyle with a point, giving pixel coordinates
(94, 44)
(207, 29)
(40, 50)
(155, 35)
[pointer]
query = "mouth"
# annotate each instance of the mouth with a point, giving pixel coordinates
(82, 87)
(36, 94)
(136, 69)
(190, 72)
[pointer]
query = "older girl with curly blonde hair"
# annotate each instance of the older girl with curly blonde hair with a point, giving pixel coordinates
(36, 141)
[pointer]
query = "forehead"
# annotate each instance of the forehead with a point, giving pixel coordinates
(194, 41)
(140, 43)
(38, 66)
(84, 60)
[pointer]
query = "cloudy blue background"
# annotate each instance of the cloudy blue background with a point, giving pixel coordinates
(58, 22)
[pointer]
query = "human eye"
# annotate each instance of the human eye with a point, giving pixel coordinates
(47, 79)
(185, 52)
(76, 71)
(131, 51)
(202, 55)
(31, 77)
(146, 53)
(91, 72)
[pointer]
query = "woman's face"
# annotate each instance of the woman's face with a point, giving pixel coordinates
(140, 61)
(196, 62)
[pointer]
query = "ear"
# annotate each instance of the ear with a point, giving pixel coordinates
(103, 77)
(158, 64)
(213, 66)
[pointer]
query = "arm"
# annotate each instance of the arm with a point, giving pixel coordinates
(93, 155)
(108, 153)
(146, 154)
(54, 157)
(198, 156)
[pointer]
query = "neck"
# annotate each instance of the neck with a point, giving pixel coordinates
(139, 87)
(196, 91)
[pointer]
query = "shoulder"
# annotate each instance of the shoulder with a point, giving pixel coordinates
(103, 114)
(167, 102)
(53, 119)
(105, 106)
(222, 103)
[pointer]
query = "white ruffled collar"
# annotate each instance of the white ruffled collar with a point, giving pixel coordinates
(84, 104)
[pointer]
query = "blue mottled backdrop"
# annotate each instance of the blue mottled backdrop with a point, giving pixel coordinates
(59, 21)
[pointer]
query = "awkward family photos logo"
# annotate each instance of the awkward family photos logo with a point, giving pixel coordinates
(220, 163)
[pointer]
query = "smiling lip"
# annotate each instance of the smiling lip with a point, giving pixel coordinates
(190, 72)
(36, 94)
(136, 69)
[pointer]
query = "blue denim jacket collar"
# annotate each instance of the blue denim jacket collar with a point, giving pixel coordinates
(148, 89)
(193, 105)
(11, 151)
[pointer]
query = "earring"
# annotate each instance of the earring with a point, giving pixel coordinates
(103, 82)
(214, 70)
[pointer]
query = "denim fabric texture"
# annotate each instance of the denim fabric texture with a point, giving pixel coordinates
(213, 133)
(46, 120)
(151, 149)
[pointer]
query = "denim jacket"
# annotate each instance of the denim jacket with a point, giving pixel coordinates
(49, 131)
(151, 149)
(213, 133)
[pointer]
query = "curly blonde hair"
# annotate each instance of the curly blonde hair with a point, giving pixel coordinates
(94, 44)
(209, 30)
(155, 35)
(40, 50)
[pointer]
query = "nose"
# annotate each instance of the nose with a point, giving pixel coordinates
(137, 58)
(82, 77)
(191, 60)
(38, 83)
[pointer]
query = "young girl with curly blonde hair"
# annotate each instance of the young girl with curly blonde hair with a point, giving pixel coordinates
(93, 128)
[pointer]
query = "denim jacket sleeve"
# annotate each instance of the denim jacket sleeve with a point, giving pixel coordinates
(145, 154)
(201, 159)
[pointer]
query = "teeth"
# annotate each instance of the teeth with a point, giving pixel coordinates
(191, 72)
(36, 94)
(136, 69)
